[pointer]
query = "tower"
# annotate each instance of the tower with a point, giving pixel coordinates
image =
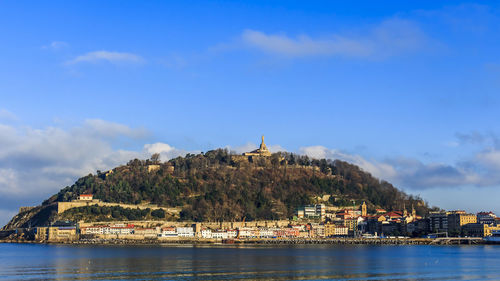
(363, 209)
(263, 145)
(413, 212)
(261, 151)
(405, 213)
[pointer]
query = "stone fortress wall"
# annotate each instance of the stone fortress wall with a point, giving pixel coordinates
(63, 206)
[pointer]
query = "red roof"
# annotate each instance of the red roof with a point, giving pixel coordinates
(86, 195)
(394, 214)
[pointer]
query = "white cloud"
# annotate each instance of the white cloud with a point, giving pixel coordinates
(481, 169)
(377, 169)
(303, 45)
(276, 148)
(389, 38)
(249, 146)
(42, 161)
(56, 45)
(36, 163)
(109, 129)
(7, 115)
(166, 151)
(107, 56)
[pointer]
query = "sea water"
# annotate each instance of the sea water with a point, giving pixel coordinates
(238, 262)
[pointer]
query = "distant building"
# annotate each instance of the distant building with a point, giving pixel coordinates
(219, 234)
(153, 167)
(206, 233)
(86, 197)
(486, 218)
(479, 229)
(168, 232)
(363, 209)
(261, 151)
(59, 231)
(456, 219)
(185, 231)
(311, 211)
(146, 232)
(438, 222)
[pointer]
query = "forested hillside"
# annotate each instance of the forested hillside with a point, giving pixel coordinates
(217, 186)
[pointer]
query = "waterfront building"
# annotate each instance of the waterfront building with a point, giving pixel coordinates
(219, 234)
(438, 222)
(456, 219)
(185, 231)
(418, 227)
(96, 229)
(266, 233)
(245, 232)
(479, 229)
(486, 217)
(292, 232)
(168, 232)
(341, 231)
(329, 229)
(57, 233)
(119, 229)
(318, 231)
(206, 233)
(392, 228)
(146, 232)
(279, 232)
(232, 233)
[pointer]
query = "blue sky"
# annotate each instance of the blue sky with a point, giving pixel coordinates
(408, 91)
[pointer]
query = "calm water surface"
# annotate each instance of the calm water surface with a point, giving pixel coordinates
(305, 262)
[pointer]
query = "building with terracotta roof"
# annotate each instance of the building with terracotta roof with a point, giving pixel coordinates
(85, 197)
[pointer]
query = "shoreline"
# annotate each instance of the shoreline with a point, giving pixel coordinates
(327, 241)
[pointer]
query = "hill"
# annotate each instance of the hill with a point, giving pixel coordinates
(220, 186)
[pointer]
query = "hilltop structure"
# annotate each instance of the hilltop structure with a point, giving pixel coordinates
(261, 151)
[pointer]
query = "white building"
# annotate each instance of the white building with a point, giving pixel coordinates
(266, 233)
(232, 233)
(206, 233)
(245, 232)
(341, 231)
(146, 232)
(86, 197)
(219, 234)
(123, 230)
(98, 229)
(185, 231)
(168, 232)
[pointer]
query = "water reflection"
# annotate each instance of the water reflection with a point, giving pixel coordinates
(39, 262)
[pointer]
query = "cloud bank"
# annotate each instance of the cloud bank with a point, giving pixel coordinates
(391, 37)
(107, 56)
(481, 169)
(36, 163)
